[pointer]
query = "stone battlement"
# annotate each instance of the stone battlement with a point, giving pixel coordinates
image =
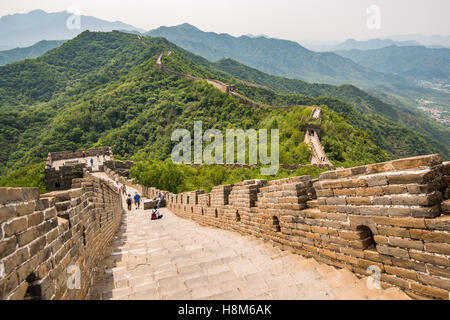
(65, 155)
(63, 167)
(393, 216)
(48, 242)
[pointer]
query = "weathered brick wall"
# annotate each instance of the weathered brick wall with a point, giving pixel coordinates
(391, 215)
(44, 237)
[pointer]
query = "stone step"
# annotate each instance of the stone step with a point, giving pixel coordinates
(340, 278)
(324, 269)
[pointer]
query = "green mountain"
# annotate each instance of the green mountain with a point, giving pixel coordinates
(289, 59)
(359, 99)
(415, 62)
(105, 89)
(278, 57)
(34, 51)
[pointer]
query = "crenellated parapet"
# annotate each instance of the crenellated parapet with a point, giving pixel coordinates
(52, 244)
(390, 217)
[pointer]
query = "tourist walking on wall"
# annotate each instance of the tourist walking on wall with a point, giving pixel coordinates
(124, 189)
(137, 200)
(129, 202)
(92, 162)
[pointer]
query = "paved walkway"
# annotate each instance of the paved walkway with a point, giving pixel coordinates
(176, 259)
(98, 161)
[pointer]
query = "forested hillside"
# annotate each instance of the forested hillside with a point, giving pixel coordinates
(105, 89)
(367, 105)
(33, 51)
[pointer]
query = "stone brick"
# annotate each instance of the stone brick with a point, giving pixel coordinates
(395, 252)
(401, 222)
(417, 162)
(434, 281)
(35, 219)
(406, 243)
(376, 180)
(367, 192)
(442, 248)
(331, 184)
(16, 226)
(336, 201)
(429, 258)
(440, 223)
(409, 264)
(19, 292)
(439, 271)
(359, 201)
(412, 178)
(7, 246)
(9, 195)
(394, 231)
(24, 209)
(426, 212)
(6, 213)
(16, 259)
(381, 239)
(27, 236)
(431, 236)
(430, 291)
(400, 272)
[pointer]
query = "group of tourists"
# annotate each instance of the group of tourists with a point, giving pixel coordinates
(85, 160)
(156, 215)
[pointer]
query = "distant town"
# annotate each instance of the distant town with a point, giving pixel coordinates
(441, 116)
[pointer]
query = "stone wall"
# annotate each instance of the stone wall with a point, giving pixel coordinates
(44, 238)
(60, 178)
(54, 156)
(391, 216)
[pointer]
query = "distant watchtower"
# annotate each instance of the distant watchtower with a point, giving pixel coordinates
(62, 167)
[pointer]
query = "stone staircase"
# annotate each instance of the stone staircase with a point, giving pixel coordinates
(267, 273)
(173, 259)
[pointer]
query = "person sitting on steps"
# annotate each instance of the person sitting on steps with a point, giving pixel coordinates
(160, 198)
(156, 215)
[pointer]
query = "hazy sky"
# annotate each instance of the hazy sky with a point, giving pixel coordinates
(308, 20)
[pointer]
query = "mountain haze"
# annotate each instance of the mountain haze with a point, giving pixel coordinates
(33, 51)
(278, 57)
(372, 44)
(23, 30)
(417, 62)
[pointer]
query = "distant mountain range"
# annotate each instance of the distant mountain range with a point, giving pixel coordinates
(417, 62)
(372, 44)
(23, 30)
(33, 51)
(278, 57)
(425, 40)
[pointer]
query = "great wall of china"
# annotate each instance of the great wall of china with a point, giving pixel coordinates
(312, 131)
(393, 217)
